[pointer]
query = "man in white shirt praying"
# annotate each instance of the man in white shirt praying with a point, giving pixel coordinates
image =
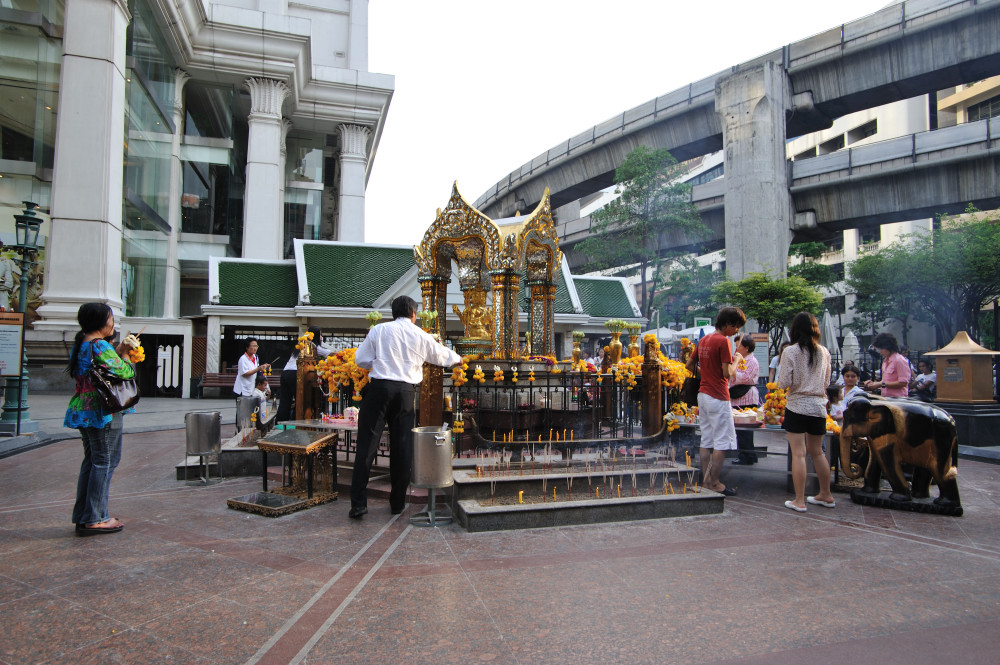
(394, 353)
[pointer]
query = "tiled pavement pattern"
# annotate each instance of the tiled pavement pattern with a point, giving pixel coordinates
(190, 581)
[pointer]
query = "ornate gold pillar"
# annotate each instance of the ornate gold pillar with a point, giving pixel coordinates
(506, 297)
(540, 317)
(652, 394)
(434, 292)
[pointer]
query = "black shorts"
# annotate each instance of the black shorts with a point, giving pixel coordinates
(796, 423)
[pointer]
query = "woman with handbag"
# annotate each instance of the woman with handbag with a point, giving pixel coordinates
(100, 429)
(742, 393)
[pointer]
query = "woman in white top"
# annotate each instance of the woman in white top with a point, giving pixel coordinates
(805, 372)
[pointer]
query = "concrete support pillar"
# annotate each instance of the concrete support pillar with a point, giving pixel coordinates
(172, 290)
(263, 218)
(752, 105)
(353, 164)
(84, 254)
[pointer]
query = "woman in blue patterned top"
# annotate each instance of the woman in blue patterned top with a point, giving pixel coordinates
(101, 432)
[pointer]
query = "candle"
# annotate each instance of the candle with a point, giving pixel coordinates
(553, 493)
(598, 489)
(619, 490)
(684, 488)
(571, 435)
(520, 496)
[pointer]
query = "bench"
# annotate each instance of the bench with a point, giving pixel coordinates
(225, 380)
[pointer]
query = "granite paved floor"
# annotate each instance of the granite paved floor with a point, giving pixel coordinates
(190, 581)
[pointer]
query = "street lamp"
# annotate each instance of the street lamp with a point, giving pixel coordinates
(15, 417)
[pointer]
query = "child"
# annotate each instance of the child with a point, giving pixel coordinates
(262, 392)
(835, 406)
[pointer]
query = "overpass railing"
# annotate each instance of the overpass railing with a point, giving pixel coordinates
(911, 149)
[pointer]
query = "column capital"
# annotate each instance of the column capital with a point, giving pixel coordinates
(353, 141)
(267, 96)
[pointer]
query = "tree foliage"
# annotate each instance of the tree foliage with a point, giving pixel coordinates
(688, 290)
(772, 302)
(817, 274)
(944, 276)
(653, 203)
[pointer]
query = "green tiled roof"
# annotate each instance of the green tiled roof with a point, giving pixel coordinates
(603, 297)
(563, 303)
(258, 284)
(352, 275)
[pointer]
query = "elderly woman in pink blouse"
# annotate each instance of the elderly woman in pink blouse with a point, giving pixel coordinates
(895, 380)
(742, 393)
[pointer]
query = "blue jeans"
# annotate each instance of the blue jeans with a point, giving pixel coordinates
(102, 450)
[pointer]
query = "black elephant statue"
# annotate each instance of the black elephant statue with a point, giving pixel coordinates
(898, 432)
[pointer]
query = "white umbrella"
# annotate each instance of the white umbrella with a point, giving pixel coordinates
(665, 335)
(694, 333)
(828, 336)
(851, 347)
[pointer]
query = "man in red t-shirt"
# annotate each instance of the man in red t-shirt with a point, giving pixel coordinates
(715, 360)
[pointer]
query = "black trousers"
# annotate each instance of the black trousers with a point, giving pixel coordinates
(289, 382)
(392, 403)
(744, 444)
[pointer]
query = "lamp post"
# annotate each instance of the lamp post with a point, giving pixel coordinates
(15, 417)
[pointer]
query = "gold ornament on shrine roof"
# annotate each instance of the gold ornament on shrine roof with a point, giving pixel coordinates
(493, 256)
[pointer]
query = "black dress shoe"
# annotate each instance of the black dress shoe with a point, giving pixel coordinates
(357, 513)
(396, 511)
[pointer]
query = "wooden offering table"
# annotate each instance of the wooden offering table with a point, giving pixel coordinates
(345, 430)
(307, 456)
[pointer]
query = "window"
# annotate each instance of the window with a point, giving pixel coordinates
(833, 145)
(862, 132)
(983, 110)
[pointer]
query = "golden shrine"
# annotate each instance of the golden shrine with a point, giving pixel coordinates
(492, 258)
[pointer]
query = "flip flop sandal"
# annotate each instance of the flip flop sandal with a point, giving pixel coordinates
(95, 530)
(816, 502)
(792, 506)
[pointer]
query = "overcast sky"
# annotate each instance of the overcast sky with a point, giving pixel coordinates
(484, 86)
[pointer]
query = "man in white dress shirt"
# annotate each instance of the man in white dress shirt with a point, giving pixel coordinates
(394, 353)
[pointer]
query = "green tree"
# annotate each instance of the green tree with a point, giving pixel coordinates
(955, 271)
(871, 278)
(817, 274)
(688, 290)
(944, 277)
(772, 302)
(653, 206)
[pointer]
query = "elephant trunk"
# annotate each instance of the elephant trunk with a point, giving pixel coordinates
(851, 470)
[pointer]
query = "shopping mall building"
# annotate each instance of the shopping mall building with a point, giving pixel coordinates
(161, 135)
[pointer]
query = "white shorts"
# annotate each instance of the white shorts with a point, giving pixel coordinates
(715, 417)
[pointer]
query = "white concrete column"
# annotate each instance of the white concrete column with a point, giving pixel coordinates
(263, 218)
(213, 338)
(353, 162)
(172, 291)
(84, 254)
(286, 125)
(752, 104)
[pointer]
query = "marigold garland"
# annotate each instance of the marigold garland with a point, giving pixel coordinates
(340, 369)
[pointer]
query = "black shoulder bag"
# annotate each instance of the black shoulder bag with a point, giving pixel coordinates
(116, 394)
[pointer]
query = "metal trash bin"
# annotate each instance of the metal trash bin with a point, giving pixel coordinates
(245, 407)
(432, 453)
(203, 437)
